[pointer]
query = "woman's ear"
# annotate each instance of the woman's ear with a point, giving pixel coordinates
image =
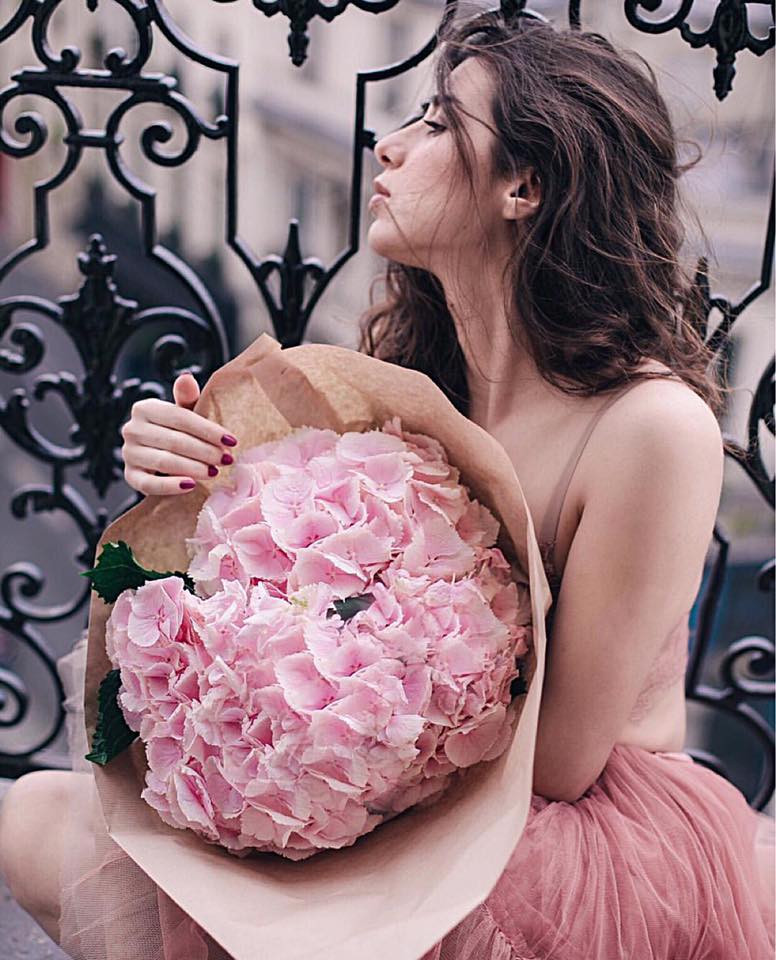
(522, 195)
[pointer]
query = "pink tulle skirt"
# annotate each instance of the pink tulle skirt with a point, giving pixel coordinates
(661, 859)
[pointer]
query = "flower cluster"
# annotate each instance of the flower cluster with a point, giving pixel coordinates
(277, 712)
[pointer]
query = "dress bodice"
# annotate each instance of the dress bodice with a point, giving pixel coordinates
(670, 662)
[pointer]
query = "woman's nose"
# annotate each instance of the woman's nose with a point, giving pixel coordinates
(388, 150)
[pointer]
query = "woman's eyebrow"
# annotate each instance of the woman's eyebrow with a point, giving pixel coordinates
(440, 99)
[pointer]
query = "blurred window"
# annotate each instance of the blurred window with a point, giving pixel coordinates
(302, 195)
(397, 48)
(339, 199)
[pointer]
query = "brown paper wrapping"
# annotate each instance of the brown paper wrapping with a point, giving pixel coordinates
(402, 887)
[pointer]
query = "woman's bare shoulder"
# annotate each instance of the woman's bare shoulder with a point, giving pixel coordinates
(656, 423)
(655, 407)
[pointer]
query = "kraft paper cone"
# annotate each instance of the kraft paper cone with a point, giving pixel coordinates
(402, 887)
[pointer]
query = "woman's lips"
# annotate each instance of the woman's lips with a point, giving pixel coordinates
(376, 199)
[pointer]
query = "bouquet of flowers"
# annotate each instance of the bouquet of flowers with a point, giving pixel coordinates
(336, 657)
(352, 645)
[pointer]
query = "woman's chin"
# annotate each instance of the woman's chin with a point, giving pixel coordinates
(378, 240)
(389, 247)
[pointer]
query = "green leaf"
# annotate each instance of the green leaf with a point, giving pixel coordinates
(117, 570)
(351, 606)
(112, 735)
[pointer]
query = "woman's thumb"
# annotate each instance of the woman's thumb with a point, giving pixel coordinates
(185, 390)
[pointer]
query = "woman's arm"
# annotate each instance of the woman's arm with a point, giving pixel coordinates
(634, 568)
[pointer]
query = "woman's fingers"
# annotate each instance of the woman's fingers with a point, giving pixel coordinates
(147, 483)
(164, 439)
(185, 390)
(152, 459)
(166, 414)
(169, 438)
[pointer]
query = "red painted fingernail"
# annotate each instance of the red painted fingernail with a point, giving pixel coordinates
(212, 471)
(228, 440)
(187, 484)
(226, 459)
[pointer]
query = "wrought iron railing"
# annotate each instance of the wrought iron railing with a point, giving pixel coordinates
(103, 325)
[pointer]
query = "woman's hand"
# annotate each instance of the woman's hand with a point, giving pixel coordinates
(169, 438)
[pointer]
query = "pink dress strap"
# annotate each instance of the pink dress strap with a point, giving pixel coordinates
(549, 527)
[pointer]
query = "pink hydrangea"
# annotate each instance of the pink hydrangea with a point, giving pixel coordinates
(272, 722)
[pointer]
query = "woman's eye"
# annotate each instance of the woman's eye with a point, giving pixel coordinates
(415, 116)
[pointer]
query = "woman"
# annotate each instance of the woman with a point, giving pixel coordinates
(529, 219)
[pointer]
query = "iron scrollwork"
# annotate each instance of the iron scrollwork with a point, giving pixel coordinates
(301, 12)
(101, 322)
(752, 655)
(748, 654)
(728, 34)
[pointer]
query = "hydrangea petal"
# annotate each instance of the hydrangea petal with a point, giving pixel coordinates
(272, 721)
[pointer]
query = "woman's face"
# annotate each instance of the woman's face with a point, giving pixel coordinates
(430, 215)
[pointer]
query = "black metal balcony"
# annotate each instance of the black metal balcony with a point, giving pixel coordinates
(127, 342)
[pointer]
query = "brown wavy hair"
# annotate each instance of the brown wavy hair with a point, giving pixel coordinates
(596, 271)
